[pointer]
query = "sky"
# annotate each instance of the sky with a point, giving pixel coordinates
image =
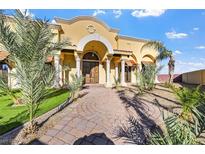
(182, 31)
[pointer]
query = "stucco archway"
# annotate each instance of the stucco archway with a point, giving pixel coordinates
(149, 59)
(94, 37)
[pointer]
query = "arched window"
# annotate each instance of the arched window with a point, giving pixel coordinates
(90, 56)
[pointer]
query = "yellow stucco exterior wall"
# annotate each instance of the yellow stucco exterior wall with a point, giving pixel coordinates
(195, 77)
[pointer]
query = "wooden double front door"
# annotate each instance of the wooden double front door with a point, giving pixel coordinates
(91, 72)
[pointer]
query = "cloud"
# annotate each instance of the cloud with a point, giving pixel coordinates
(147, 13)
(196, 28)
(117, 13)
(98, 12)
(202, 59)
(182, 66)
(53, 21)
(193, 64)
(27, 13)
(177, 52)
(200, 47)
(185, 66)
(175, 35)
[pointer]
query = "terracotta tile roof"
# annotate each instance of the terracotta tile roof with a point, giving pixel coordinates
(3, 55)
(130, 62)
(122, 50)
(49, 59)
(147, 62)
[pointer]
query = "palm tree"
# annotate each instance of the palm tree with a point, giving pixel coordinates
(164, 53)
(29, 45)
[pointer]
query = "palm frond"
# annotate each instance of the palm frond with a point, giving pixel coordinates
(29, 42)
(159, 47)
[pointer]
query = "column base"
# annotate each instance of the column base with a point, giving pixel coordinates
(156, 80)
(108, 85)
(123, 84)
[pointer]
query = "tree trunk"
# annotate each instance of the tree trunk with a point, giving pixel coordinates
(170, 77)
(171, 70)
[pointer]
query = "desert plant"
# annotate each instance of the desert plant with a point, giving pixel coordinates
(117, 83)
(193, 106)
(29, 43)
(188, 125)
(176, 132)
(147, 77)
(75, 85)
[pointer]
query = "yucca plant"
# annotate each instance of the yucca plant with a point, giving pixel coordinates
(75, 85)
(29, 43)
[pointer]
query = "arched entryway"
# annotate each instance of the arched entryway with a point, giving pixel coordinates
(90, 68)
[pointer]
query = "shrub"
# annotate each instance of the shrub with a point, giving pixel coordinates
(75, 85)
(117, 83)
(193, 105)
(147, 77)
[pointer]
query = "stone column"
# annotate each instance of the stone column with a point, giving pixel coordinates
(123, 72)
(116, 71)
(9, 77)
(77, 59)
(108, 83)
(57, 70)
(61, 73)
(139, 67)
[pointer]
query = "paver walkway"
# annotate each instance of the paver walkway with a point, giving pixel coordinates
(90, 120)
(104, 116)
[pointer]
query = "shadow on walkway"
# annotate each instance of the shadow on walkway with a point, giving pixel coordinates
(94, 139)
(138, 129)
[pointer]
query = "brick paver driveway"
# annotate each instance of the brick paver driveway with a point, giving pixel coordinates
(96, 116)
(90, 120)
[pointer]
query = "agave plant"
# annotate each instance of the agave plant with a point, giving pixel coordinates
(29, 43)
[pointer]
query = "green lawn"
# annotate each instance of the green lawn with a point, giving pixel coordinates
(11, 117)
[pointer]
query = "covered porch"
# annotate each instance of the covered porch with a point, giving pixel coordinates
(96, 65)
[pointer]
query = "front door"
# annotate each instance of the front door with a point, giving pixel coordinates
(127, 73)
(90, 72)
